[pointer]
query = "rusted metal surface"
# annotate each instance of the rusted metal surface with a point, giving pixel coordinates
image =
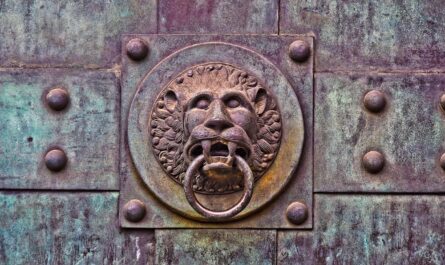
(369, 229)
(195, 53)
(68, 228)
(86, 130)
(409, 133)
(70, 33)
(218, 16)
(214, 247)
(363, 35)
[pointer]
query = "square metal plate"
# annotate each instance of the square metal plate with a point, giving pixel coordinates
(271, 48)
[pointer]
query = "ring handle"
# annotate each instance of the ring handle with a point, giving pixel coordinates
(218, 215)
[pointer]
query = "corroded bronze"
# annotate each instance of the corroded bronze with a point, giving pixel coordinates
(137, 49)
(442, 102)
(299, 51)
(442, 161)
(203, 101)
(224, 116)
(56, 160)
(134, 210)
(219, 111)
(373, 162)
(374, 101)
(57, 99)
(297, 213)
(242, 166)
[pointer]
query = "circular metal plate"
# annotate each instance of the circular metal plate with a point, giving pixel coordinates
(165, 188)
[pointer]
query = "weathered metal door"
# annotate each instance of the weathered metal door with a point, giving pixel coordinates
(222, 132)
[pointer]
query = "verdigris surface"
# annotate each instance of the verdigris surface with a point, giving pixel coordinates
(409, 132)
(87, 129)
(68, 228)
(396, 46)
(369, 229)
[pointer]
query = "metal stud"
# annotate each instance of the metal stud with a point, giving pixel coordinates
(442, 161)
(137, 49)
(57, 99)
(442, 102)
(134, 210)
(56, 160)
(373, 162)
(374, 101)
(299, 51)
(297, 213)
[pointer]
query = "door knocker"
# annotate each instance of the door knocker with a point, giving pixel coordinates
(206, 131)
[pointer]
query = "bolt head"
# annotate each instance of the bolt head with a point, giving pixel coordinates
(442, 102)
(374, 101)
(134, 210)
(299, 51)
(57, 99)
(373, 162)
(137, 49)
(56, 160)
(442, 161)
(297, 213)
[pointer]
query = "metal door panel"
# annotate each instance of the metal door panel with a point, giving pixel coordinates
(70, 33)
(255, 17)
(215, 246)
(300, 76)
(86, 130)
(369, 229)
(371, 34)
(393, 216)
(409, 131)
(68, 228)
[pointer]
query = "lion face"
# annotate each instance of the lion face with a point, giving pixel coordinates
(217, 111)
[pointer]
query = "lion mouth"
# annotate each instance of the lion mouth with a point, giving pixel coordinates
(219, 151)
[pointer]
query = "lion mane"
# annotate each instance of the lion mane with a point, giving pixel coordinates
(167, 123)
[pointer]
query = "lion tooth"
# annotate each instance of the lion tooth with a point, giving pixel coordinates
(232, 148)
(206, 144)
(230, 160)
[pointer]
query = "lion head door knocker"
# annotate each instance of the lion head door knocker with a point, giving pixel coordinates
(215, 129)
(213, 137)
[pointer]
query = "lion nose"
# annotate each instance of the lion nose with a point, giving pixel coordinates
(218, 120)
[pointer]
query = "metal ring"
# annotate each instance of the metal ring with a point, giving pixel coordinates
(219, 215)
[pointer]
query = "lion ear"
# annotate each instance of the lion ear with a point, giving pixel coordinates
(170, 100)
(260, 101)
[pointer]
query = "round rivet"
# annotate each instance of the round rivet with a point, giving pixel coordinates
(57, 99)
(134, 210)
(55, 160)
(442, 161)
(442, 102)
(373, 162)
(374, 101)
(297, 213)
(137, 49)
(299, 51)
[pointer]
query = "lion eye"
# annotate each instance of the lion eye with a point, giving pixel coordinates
(202, 103)
(233, 103)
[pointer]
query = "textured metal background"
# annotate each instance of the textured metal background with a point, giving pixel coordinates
(397, 45)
